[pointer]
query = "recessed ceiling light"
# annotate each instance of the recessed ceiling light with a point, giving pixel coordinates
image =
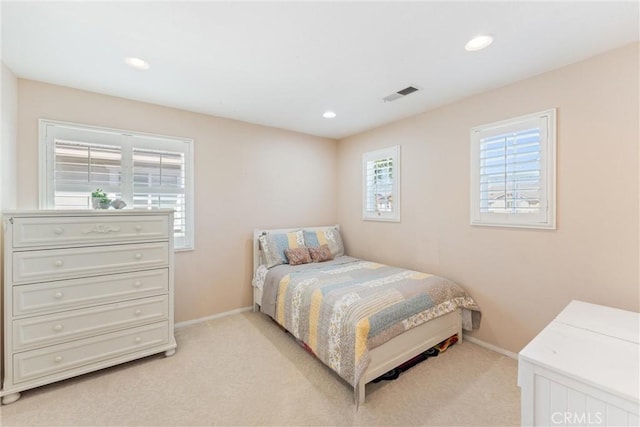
(478, 42)
(329, 115)
(137, 63)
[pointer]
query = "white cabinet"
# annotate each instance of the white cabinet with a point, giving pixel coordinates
(583, 369)
(84, 290)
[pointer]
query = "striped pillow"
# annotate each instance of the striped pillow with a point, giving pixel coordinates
(329, 237)
(273, 246)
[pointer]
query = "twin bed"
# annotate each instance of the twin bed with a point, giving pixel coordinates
(358, 317)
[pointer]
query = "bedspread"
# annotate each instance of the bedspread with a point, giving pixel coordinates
(343, 308)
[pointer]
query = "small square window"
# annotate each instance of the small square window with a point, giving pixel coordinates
(513, 172)
(381, 185)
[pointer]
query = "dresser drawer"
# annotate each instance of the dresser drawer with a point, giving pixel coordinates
(51, 264)
(56, 231)
(77, 293)
(46, 361)
(68, 325)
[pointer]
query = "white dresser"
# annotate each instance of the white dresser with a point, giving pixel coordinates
(583, 369)
(84, 290)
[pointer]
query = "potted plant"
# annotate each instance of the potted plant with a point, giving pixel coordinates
(99, 199)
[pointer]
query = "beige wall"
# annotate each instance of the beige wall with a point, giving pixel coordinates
(246, 176)
(9, 114)
(520, 278)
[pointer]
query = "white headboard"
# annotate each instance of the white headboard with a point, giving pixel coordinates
(259, 231)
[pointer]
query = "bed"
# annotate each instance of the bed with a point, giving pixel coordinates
(360, 318)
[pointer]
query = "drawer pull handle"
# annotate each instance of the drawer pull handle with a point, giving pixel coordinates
(137, 284)
(58, 328)
(138, 340)
(58, 230)
(138, 228)
(58, 263)
(137, 312)
(58, 359)
(138, 256)
(58, 295)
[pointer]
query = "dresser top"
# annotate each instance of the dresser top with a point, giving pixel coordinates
(83, 212)
(608, 321)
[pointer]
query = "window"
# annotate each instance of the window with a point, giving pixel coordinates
(513, 172)
(146, 171)
(381, 185)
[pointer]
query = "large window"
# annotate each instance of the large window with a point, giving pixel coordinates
(513, 172)
(145, 171)
(381, 185)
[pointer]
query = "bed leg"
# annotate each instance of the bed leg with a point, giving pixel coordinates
(360, 392)
(256, 307)
(460, 325)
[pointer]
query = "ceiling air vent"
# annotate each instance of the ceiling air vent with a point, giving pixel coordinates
(401, 93)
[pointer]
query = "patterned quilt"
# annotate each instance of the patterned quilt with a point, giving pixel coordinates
(343, 308)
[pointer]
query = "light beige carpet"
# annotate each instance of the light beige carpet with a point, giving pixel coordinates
(243, 370)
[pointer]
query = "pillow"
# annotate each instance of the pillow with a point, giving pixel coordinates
(330, 237)
(273, 246)
(321, 253)
(297, 256)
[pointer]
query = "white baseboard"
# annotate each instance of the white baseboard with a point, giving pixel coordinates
(243, 309)
(491, 347)
(213, 316)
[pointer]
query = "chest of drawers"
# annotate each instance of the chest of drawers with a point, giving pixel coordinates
(583, 369)
(83, 290)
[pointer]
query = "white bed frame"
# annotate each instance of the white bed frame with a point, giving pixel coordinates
(395, 351)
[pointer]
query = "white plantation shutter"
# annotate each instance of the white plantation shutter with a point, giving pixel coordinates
(80, 168)
(381, 195)
(159, 181)
(513, 172)
(146, 171)
(510, 172)
(379, 176)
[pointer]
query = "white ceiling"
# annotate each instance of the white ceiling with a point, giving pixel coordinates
(283, 64)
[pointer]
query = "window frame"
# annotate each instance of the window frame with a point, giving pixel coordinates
(381, 154)
(128, 141)
(546, 218)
